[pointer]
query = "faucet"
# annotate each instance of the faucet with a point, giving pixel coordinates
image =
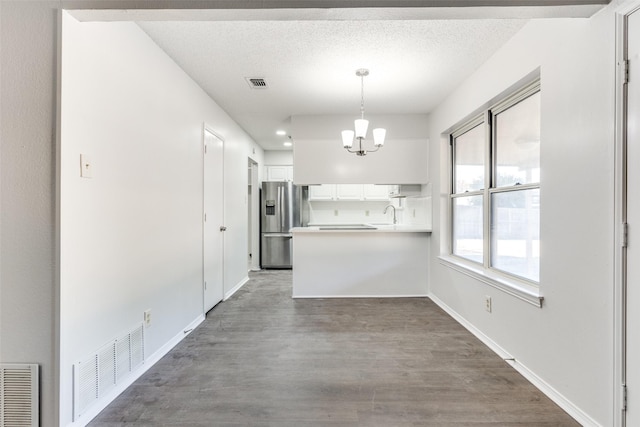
(394, 212)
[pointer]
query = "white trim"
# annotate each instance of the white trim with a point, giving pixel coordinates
(206, 128)
(619, 299)
(254, 215)
(144, 367)
(360, 296)
(553, 394)
(513, 287)
(236, 288)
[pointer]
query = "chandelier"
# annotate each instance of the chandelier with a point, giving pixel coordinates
(361, 125)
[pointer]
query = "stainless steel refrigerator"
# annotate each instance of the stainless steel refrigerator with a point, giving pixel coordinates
(280, 211)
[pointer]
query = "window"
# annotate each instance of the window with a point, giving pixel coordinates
(495, 187)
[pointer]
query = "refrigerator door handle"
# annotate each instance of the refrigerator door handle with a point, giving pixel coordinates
(282, 211)
(277, 235)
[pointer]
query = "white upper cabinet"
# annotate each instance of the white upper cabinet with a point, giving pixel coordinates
(348, 191)
(322, 192)
(279, 173)
(375, 192)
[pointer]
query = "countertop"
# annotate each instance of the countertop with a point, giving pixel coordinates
(362, 228)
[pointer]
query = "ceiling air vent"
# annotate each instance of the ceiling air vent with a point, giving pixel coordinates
(256, 82)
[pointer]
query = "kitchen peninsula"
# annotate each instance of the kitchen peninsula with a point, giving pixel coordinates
(360, 260)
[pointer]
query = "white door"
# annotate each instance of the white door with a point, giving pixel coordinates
(633, 219)
(254, 217)
(213, 228)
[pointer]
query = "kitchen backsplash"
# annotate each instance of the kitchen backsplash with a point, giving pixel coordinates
(409, 210)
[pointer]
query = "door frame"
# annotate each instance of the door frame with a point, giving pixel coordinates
(254, 215)
(206, 128)
(620, 214)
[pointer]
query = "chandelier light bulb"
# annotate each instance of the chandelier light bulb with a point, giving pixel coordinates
(347, 138)
(378, 136)
(361, 126)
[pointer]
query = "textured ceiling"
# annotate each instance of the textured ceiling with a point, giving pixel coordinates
(310, 65)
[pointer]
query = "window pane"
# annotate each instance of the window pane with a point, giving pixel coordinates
(517, 132)
(467, 227)
(469, 160)
(515, 232)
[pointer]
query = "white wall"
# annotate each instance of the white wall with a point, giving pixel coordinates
(28, 293)
(319, 157)
(131, 236)
(568, 343)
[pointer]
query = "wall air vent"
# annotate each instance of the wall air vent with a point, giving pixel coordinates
(19, 395)
(256, 82)
(103, 370)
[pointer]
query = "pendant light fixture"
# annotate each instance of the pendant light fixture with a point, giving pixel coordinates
(361, 125)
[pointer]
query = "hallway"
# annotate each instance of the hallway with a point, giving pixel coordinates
(264, 359)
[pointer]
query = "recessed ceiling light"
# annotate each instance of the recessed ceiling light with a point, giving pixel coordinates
(281, 132)
(287, 144)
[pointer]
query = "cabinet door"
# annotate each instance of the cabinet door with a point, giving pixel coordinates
(394, 190)
(349, 191)
(322, 192)
(375, 192)
(279, 173)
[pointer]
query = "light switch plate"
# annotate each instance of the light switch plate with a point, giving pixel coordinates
(147, 318)
(86, 167)
(487, 303)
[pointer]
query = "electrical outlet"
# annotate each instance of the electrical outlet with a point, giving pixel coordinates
(147, 318)
(414, 213)
(487, 303)
(366, 213)
(335, 212)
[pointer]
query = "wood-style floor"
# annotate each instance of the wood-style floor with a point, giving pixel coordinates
(264, 359)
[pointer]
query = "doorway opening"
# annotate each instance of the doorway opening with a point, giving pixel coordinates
(253, 217)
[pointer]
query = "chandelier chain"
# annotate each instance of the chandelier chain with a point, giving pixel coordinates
(362, 96)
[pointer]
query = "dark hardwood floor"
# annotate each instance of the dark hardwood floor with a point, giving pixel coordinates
(264, 359)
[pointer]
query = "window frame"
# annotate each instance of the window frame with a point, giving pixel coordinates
(518, 286)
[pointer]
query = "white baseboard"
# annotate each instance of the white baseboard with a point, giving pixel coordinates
(361, 296)
(578, 414)
(148, 363)
(236, 288)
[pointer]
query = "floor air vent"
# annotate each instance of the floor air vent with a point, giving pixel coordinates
(256, 82)
(96, 376)
(19, 395)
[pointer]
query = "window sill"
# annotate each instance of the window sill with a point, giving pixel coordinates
(519, 289)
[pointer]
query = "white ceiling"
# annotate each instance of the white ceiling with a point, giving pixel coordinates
(309, 58)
